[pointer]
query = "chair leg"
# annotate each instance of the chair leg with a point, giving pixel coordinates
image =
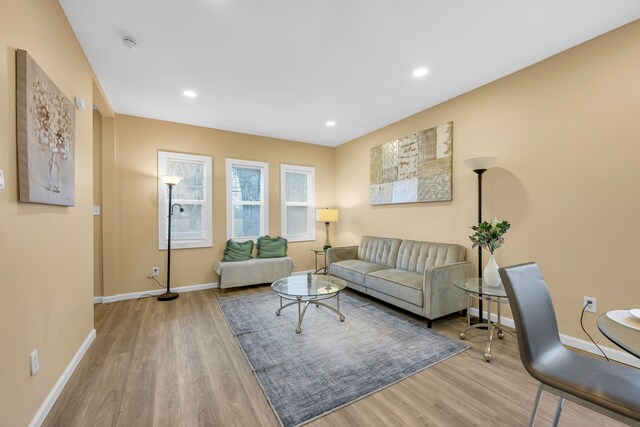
(556, 419)
(536, 405)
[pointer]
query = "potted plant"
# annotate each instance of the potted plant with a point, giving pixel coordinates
(489, 236)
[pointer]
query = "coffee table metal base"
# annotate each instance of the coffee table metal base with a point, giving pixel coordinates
(299, 300)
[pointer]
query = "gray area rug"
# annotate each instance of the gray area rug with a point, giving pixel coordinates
(331, 364)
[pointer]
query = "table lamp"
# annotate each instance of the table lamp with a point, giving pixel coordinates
(327, 216)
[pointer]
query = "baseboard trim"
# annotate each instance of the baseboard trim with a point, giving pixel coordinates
(134, 295)
(53, 395)
(588, 346)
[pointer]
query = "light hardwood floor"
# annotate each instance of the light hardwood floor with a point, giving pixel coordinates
(177, 364)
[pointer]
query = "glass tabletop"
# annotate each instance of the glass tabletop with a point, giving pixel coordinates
(477, 286)
(297, 286)
(625, 337)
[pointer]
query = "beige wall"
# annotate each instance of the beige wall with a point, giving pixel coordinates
(567, 135)
(46, 264)
(97, 201)
(137, 143)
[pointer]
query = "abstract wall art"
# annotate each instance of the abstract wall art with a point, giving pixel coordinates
(46, 137)
(413, 169)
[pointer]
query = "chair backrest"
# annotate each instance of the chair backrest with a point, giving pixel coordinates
(417, 256)
(380, 250)
(533, 313)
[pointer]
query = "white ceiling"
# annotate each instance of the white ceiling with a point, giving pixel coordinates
(282, 68)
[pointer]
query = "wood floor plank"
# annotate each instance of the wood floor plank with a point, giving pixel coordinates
(177, 363)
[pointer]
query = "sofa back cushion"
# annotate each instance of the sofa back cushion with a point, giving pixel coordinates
(417, 256)
(379, 250)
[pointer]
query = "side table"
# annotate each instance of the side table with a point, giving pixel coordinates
(475, 288)
(320, 252)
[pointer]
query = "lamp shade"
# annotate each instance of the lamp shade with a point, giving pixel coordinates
(480, 162)
(327, 215)
(170, 179)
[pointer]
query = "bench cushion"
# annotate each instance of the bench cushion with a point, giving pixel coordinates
(354, 270)
(401, 284)
(253, 271)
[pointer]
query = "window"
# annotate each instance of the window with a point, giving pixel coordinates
(247, 207)
(298, 200)
(191, 228)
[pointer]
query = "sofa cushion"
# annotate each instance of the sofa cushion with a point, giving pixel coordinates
(354, 270)
(418, 256)
(379, 250)
(401, 284)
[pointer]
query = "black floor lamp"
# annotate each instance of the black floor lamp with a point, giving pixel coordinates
(170, 181)
(480, 165)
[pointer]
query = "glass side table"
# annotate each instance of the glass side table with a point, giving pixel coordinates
(476, 289)
(321, 253)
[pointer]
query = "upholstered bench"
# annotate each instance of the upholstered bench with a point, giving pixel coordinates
(253, 271)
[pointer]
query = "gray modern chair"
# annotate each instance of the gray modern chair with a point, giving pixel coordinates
(608, 388)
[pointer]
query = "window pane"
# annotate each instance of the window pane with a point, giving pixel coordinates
(246, 221)
(187, 225)
(246, 184)
(296, 187)
(192, 185)
(297, 220)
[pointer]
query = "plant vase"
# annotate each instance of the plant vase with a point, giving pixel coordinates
(54, 173)
(490, 274)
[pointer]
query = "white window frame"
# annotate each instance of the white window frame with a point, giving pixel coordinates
(163, 202)
(310, 203)
(264, 192)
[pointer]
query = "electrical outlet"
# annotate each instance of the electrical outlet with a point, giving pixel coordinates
(155, 271)
(35, 362)
(592, 306)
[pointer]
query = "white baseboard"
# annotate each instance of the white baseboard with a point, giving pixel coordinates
(134, 295)
(53, 395)
(612, 353)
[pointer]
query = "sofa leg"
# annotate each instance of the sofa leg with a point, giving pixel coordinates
(429, 322)
(463, 313)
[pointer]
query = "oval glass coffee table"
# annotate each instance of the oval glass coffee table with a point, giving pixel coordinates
(307, 290)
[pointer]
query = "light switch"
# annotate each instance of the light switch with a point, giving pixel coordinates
(1, 180)
(96, 211)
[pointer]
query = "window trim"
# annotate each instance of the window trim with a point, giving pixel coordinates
(207, 203)
(311, 203)
(264, 190)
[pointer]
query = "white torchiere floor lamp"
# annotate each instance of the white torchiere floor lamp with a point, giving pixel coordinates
(480, 165)
(327, 216)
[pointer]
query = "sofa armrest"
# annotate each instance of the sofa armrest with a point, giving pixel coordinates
(341, 254)
(441, 297)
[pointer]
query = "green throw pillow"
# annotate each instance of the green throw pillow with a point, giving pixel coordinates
(269, 247)
(237, 251)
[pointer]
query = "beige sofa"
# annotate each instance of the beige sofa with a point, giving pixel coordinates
(413, 275)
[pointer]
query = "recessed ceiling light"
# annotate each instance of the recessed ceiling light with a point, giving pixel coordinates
(420, 72)
(190, 94)
(330, 123)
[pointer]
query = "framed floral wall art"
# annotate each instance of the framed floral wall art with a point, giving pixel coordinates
(46, 137)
